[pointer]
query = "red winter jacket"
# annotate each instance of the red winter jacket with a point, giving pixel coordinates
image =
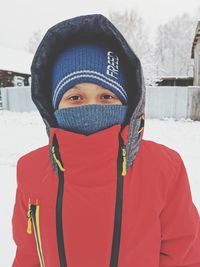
(160, 225)
(109, 199)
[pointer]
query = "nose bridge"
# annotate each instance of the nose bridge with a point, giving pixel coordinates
(93, 99)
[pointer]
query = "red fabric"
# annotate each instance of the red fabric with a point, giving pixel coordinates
(158, 215)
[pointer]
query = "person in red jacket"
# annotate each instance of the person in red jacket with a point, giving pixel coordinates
(98, 194)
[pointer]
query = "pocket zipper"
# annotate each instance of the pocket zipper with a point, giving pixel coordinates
(33, 220)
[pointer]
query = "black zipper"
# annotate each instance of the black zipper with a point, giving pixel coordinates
(118, 206)
(59, 225)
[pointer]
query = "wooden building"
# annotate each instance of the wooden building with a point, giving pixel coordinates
(12, 78)
(196, 55)
(14, 67)
(174, 81)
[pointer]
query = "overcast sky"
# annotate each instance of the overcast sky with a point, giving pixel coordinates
(19, 18)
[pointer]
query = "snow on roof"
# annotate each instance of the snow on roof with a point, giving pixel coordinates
(15, 60)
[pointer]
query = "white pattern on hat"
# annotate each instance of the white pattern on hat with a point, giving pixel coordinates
(89, 74)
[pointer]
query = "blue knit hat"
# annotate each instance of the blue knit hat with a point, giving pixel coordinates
(92, 63)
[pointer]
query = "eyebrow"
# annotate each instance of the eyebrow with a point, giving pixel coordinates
(75, 87)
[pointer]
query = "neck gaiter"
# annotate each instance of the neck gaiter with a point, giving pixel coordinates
(88, 119)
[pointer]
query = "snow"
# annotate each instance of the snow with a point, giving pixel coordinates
(23, 132)
(15, 60)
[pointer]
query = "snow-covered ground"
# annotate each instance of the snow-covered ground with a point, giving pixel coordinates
(22, 132)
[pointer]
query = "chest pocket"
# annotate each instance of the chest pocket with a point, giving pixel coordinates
(33, 225)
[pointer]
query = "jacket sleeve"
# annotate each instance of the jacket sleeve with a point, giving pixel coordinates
(26, 251)
(180, 224)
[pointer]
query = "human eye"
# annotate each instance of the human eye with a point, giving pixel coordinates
(75, 98)
(107, 97)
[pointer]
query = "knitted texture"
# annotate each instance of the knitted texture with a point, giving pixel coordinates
(88, 119)
(88, 63)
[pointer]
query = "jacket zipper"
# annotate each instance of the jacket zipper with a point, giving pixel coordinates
(121, 172)
(33, 220)
(59, 225)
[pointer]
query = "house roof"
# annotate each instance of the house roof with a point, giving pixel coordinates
(15, 60)
(196, 38)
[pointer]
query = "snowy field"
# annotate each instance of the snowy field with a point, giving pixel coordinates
(22, 132)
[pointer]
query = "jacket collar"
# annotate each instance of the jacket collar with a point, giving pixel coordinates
(77, 148)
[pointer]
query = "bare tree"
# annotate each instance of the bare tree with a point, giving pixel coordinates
(173, 46)
(135, 31)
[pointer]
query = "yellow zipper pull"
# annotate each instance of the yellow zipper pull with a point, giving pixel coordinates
(56, 160)
(124, 161)
(29, 223)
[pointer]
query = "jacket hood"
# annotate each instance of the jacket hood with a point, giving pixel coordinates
(89, 28)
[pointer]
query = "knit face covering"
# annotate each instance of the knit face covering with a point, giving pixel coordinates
(88, 119)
